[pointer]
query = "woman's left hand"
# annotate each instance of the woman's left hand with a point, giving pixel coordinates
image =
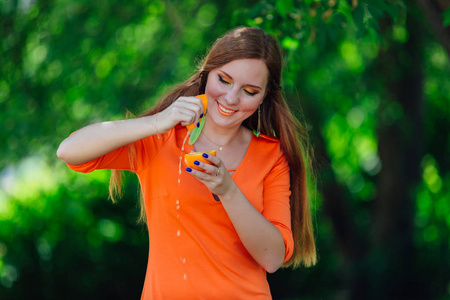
(260, 237)
(215, 176)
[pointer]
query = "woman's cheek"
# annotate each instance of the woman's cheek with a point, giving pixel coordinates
(214, 92)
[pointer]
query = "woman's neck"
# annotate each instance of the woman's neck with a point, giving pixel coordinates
(220, 135)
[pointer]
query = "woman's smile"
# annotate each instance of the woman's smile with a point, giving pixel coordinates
(225, 111)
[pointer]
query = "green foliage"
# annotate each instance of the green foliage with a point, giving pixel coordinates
(66, 64)
(446, 17)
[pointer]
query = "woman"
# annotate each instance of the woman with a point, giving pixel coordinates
(214, 232)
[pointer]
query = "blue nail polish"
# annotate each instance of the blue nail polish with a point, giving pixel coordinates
(196, 162)
(201, 116)
(198, 124)
(205, 155)
(189, 170)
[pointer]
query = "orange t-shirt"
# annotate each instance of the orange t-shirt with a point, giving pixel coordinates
(195, 252)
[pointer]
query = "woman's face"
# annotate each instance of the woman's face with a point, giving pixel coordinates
(235, 90)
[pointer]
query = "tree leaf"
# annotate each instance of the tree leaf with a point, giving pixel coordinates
(446, 17)
(284, 7)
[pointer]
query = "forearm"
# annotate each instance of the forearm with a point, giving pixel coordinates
(98, 139)
(260, 237)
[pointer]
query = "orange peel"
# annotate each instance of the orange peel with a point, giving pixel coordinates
(205, 106)
(193, 156)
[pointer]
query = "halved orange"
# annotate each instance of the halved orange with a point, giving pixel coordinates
(205, 106)
(193, 156)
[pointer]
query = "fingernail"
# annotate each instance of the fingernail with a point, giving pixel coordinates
(196, 162)
(198, 124)
(201, 116)
(205, 155)
(189, 170)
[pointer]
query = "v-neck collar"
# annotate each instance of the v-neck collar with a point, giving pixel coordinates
(188, 148)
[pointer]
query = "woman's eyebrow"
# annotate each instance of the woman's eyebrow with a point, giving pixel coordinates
(250, 85)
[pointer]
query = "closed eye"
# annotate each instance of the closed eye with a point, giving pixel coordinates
(223, 80)
(250, 93)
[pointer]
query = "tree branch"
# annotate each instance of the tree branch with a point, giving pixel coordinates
(433, 10)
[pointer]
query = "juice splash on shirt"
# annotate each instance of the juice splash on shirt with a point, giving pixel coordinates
(193, 132)
(177, 202)
(181, 158)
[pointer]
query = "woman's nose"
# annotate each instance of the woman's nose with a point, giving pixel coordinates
(232, 96)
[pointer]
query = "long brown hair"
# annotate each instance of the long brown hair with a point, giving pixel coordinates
(276, 121)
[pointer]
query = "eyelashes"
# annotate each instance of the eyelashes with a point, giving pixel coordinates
(222, 80)
(250, 93)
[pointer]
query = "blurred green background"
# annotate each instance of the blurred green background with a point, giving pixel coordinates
(371, 79)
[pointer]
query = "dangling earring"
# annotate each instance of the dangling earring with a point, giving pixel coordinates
(257, 132)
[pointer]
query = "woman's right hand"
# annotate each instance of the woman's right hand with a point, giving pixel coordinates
(184, 111)
(98, 139)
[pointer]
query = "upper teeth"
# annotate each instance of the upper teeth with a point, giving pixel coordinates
(226, 110)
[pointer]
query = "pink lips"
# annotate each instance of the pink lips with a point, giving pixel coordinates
(225, 111)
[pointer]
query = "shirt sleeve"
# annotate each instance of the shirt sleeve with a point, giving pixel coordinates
(277, 202)
(133, 157)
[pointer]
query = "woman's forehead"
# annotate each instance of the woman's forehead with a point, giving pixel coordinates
(248, 71)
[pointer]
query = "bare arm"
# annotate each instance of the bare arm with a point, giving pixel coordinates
(260, 237)
(99, 139)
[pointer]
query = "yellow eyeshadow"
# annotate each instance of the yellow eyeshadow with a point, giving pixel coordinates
(252, 91)
(226, 78)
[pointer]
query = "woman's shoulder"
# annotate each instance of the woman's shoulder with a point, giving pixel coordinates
(266, 141)
(260, 138)
(267, 151)
(266, 145)
(266, 138)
